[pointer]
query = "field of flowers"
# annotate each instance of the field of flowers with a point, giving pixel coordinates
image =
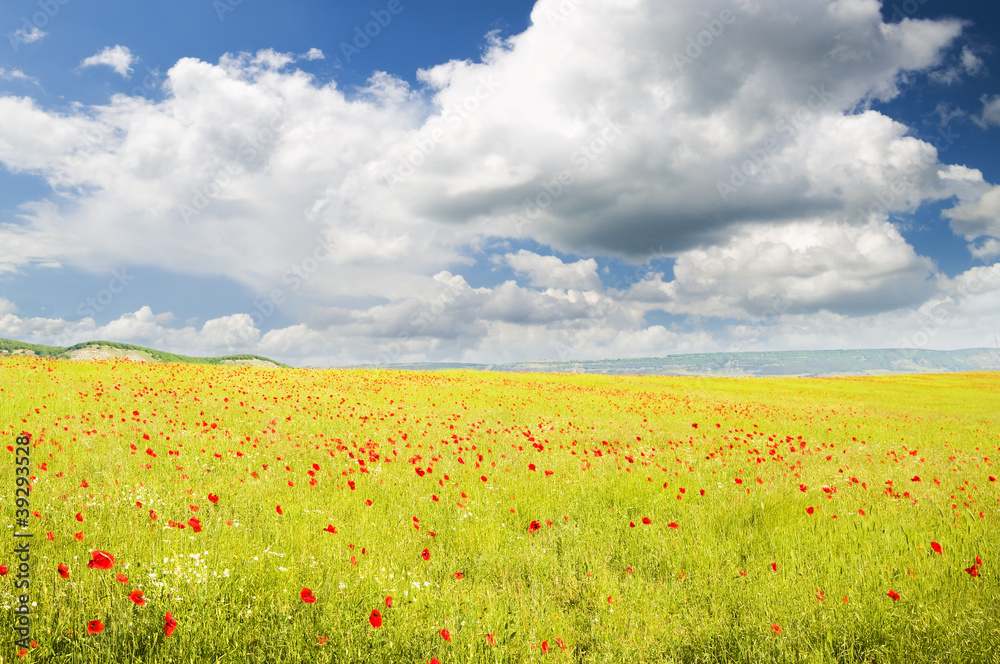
(210, 514)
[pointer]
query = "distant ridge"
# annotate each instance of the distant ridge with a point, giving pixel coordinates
(774, 363)
(93, 350)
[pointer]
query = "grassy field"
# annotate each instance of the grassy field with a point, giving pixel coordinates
(371, 516)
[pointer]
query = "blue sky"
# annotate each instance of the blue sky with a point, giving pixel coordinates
(376, 182)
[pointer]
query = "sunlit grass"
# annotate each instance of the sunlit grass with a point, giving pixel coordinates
(747, 574)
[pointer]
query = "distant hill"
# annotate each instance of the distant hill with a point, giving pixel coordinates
(777, 363)
(99, 350)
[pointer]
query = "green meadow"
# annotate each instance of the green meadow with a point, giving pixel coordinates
(374, 516)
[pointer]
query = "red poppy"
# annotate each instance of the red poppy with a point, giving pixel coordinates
(433, 660)
(774, 567)
(195, 524)
(545, 647)
(893, 595)
(388, 602)
(79, 536)
(738, 480)
(673, 524)
(121, 578)
(307, 596)
(973, 571)
(491, 639)
(50, 537)
(820, 596)
(446, 635)
(375, 618)
(169, 624)
(79, 516)
(278, 508)
(646, 520)
(213, 498)
(425, 554)
(101, 560)
(482, 477)
(350, 483)
(137, 597)
(63, 570)
(95, 627)
(152, 515)
(776, 628)
(810, 510)
(3, 570)
(936, 547)
(862, 512)
(331, 529)
(560, 642)
(631, 524)
(459, 575)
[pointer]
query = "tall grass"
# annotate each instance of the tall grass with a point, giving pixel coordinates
(747, 574)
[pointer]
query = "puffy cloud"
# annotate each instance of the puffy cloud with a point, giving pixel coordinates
(26, 35)
(732, 135)
(313, 54)
(991, 111)
(118, 57)
(550, 272)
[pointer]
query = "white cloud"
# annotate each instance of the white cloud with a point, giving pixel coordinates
(991, 111)
(313, 54)
(26, 35)
(749, 157)
(978, 217)
(550, 272)
(15, 75)
(118, 57)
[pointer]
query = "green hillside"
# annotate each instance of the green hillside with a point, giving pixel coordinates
(9, 347)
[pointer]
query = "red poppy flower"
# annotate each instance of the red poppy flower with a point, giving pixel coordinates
(459, 575)
(79, 536)
(820, 596)
(533, 526)
(213, 498)
(278, 509)
(776, 628)
(433, 660)
(446, 635)
(893, 595)
(95, 627)
(63, 570)
(3, 570)
(631, 524)
(973, 571)
(862, 512)
(560, 642)
(738, 480)
(195, 524)
(673, 524)
(50, 537)
(331, 529)
(79, 516)
(482, 477)
(810, 510)
(137, 597)
(936, 547)
(152, 515)
(774, 567)
(646, 520)
(425, 554)
(491, 639)
(121, 578)
(101, 560)
(545, 647)
(169, 624)
(307, 596)
(375, 618)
